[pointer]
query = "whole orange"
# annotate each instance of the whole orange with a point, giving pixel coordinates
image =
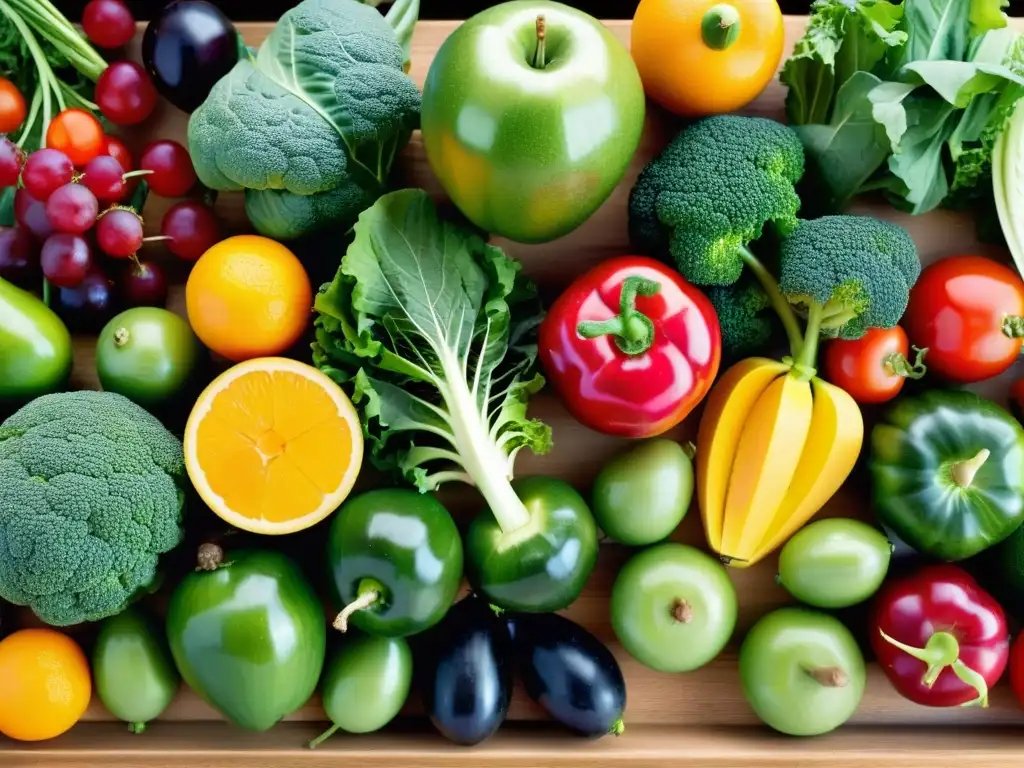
(44, 684)
(248, 296)
(701, 57)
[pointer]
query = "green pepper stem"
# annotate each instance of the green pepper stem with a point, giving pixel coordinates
(365, 599)
(720, 26)
(539, 61)
(771, 287)
(323, 737)
(632, 330)
(940, 651)
(210, 557)
(1013, 326)
(898, 365)
(829, 677)
(963, 472)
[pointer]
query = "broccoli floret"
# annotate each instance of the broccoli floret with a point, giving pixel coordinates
(325, 103)
(712, 191)
(848, 273)
(745, 315)
(89, 500)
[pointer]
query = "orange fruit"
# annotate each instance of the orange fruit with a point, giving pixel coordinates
(44, 684)
(706, 57)
(273, 445)
(248, 296)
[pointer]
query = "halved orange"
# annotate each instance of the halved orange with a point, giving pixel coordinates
(273, 445)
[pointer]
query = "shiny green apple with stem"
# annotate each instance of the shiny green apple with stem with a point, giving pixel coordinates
(532, 111)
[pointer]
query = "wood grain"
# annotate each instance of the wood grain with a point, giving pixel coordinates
(696, 719)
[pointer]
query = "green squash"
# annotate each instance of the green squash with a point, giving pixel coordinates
(248, 635)
(947, 470)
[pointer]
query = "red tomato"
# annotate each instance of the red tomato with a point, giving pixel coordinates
(1017, 668)
(872, 369)
(968, 311)
(12, 107)
(78, 134)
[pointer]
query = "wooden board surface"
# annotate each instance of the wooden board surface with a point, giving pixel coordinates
(670, 718)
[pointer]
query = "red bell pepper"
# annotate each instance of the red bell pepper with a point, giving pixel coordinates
(631, 347)
(941, 639)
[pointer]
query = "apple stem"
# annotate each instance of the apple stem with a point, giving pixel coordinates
(542, 33)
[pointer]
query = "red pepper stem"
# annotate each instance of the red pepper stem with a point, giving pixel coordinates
(1013, 326)
(941, 651)
(632, 330)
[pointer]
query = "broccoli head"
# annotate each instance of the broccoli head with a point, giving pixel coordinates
(745, 315)
(89, 500)
(713, 190)
(325, 103)
(848, 273)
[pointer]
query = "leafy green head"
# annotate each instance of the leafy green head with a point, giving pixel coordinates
(852, 272)
(323, 105)
(713, 190)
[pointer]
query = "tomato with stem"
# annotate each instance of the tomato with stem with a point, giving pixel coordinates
(873, 368)
(969, 312)
(12, 107)
(78, 134)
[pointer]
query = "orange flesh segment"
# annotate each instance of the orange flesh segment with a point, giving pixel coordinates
(272, 445)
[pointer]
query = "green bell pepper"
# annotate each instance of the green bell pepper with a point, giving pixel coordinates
(540, 565)
(396, 560)
(948, 473)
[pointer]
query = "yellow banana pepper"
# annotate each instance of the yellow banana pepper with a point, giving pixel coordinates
(774, 444)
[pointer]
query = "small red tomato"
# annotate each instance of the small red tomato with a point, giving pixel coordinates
(872, 369)
(968, 311)
(12, 106)
(76, 133)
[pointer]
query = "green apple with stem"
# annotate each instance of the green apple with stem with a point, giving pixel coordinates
(532, 111)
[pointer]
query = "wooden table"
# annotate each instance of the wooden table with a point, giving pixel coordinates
(694, 719)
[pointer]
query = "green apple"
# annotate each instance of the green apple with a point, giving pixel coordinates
(532, 111)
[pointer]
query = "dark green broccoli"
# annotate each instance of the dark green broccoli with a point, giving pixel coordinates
(745, 316)
(848, 273)
(89, 500)
(712, 191)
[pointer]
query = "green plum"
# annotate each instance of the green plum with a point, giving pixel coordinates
(673, 607)
(802, 671)
(532, 111)
(642, 495)
(366, 683)
(834, 563)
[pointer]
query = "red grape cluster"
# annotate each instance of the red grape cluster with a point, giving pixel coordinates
(77, 226)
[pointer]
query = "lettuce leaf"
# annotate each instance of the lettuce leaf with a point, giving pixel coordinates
(433, 333)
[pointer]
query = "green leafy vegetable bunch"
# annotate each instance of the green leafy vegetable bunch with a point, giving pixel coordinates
(905, 98)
